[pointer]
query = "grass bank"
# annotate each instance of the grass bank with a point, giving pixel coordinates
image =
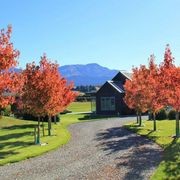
(17, 138)
(169, 168)
(80, 107)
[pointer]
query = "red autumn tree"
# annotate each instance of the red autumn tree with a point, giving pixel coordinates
(46, 93)
(134, 88)
(164, 75)
(59, 91)
(152, 90)
(174, 94)
(170, 84)
(9, 81)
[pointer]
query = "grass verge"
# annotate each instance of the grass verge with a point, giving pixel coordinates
(169, 168)
(80, 107)
(17, 139)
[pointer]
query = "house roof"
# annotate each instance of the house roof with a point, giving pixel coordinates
(117, 85)
(128, 75)
(122, 76)
(118, 80)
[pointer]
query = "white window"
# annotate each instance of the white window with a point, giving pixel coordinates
(107, 103)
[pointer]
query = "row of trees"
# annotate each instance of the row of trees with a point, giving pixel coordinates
(154, 87)
(42, 91)
(85, 89)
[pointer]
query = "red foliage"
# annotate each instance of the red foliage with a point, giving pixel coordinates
(8, 55)
(152, 92)
(152, 88)
(10, 82)
(134, 88)
(170, 81)
(174, 90)
(45, 91)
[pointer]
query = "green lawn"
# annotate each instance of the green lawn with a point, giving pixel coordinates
(80, 107)
(169, 168)
(16, 141)
(16, 138)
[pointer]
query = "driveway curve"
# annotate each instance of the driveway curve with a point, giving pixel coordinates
(97, 150)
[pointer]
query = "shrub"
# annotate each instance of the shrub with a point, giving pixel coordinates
(172, 114)
(6, 111)
(161, 115)
(32, 118)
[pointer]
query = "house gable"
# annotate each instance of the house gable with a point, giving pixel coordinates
(121, 77)
(106, 89)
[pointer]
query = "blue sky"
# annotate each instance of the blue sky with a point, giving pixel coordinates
(114, 33)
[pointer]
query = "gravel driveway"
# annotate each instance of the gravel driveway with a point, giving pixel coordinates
(98, 150)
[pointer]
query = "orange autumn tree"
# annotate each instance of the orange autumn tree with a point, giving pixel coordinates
(174, 94)
(170, 84)
(32, 102)
(134, 88)
(56, 88)
(164, 75)
(46, 93)
(10, 82)
(152, 91)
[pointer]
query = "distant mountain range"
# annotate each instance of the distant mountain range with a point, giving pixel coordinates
(89, 74)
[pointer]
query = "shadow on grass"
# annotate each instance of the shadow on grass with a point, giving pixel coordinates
(17, 144)
(8, 146)
(24, 126)
(4, 154)
(171, 156)
(137, 154)
(14, 136)
(11, 141)
(172, 160)
(137, 129)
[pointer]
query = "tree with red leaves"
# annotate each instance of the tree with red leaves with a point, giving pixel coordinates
(10, 82)
(152, 91)
(174, 94)
(46, 93)
(134, 88)
(170, 84)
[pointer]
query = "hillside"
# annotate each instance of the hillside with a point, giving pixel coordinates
(89, 74)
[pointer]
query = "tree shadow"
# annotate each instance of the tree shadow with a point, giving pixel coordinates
(14, 136)
(24, 126)
(172, 160)
(136, 153)
(137, 129)
(17, 144)
(11, 141)
(140, 162)
(4, 154)
(12, 147)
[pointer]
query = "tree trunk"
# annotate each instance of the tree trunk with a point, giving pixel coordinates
(35, 133)
(150, 115)
(140, 119)
(49, 125)
(55, 122)
(0, 112)
(177, 125)
(154, 121)
(137, 116)
(38, 131)
(43, 126)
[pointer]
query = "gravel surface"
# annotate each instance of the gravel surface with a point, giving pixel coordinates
(97, 150)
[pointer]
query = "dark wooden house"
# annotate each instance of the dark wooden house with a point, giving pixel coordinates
(109, 98)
